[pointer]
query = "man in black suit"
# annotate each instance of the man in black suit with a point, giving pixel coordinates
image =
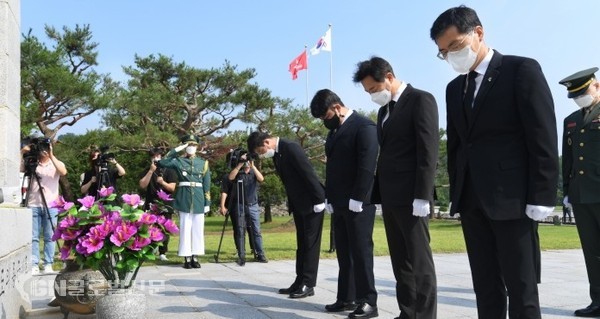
(502, 162)
(306, 201)
(407, 130)
(351, 150)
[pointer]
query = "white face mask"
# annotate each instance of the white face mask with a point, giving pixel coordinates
(190, 150)
(463, 59)
(270, 153)
(382, 97)
(584, 100)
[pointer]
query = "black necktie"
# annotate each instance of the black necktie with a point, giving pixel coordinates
(469, 94)
(391, 106)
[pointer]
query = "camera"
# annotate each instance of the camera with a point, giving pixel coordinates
(103, 158)
(37, 145)
(237, 156)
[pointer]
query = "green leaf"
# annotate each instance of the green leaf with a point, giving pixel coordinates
(117, 249)
(132, 264)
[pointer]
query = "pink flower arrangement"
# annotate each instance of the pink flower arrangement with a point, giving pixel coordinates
(113, 239)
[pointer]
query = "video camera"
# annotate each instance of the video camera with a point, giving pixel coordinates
(103, 158)
(237, 156)
(37, 145)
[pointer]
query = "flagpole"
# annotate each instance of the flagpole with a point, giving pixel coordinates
(330, 63)
(306, 90)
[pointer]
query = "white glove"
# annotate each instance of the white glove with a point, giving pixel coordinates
(355, 206)
(206, 209)
(328, 207)
(319, 208)
(538, 213)
(181, 147)
(566, 202)
(420, 207)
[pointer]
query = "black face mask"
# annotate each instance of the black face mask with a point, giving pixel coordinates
(332, 123)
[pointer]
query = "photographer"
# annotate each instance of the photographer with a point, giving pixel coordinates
(153, 180)
(44, 170)
(98, 162)
(243, 204)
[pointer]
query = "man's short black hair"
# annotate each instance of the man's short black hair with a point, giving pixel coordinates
(375, 67)
(463, 18)
(155, 151)
(256, 140)
(323, 100)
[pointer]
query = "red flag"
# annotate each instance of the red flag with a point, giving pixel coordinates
(299, 63)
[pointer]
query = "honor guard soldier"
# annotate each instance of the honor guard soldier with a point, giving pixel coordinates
(192, 198)
(581, 174)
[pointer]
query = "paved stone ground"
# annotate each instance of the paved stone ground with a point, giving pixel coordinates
(229, 291)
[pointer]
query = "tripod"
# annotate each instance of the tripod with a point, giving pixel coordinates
(102, 177)
(242, 217)
(240, 222)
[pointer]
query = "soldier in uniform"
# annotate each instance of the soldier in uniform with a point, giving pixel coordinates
(581, 174)
(192, 198)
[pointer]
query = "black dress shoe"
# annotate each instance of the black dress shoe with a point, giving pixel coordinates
(364, 310)
(287, 291)
(302, 292)
(340, 306)
(241, 261)
(261, 259)
(187, 265)
(196, 264)
(589, 311)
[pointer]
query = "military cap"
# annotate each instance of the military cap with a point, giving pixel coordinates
(189, 139)
(578, 83)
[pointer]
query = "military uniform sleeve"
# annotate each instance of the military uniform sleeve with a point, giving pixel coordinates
(206, 184)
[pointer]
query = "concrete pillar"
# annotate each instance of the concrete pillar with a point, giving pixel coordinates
(15, 228)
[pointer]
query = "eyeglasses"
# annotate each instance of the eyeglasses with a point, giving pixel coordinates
(454, 47)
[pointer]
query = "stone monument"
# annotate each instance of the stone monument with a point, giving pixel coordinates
(15, 228)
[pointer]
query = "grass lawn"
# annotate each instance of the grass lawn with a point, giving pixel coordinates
(279, 239)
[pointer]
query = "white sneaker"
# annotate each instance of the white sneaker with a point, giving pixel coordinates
(35, 270)
(48, 269)
(163, 257)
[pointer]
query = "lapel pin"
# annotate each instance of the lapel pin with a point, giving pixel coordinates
(490, 79)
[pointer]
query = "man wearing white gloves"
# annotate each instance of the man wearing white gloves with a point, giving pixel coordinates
(192, 198)
(502, 162)
(351, 149)
(407, 130)
(306, 202)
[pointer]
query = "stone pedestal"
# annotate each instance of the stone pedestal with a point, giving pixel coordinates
(15, 262)
(122, 303)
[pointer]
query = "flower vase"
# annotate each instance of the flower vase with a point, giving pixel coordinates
(121, 303)
(77, 290)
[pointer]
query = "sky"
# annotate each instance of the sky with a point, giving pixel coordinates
(268, 34)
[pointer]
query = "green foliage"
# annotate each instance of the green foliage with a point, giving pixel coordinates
(59, 85)
(165, 97)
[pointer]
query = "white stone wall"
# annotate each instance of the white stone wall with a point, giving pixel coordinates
(15, 225)
(10, 93)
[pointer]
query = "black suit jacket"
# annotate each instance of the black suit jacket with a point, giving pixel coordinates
(301, 183)
(351, 158)
(408, 153)
(510, 146)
